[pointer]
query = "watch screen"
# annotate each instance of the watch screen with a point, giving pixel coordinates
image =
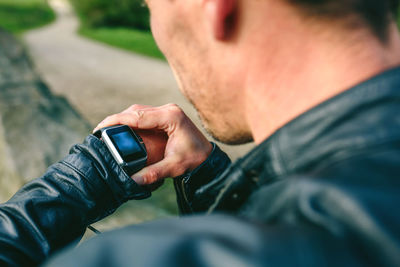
(127, 145)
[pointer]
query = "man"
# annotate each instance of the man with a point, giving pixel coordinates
(313, 83)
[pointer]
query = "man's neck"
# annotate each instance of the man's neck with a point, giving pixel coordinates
(279, 91)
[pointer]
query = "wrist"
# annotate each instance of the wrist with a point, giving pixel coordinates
(203, 157)
(186, 185)
(127, 151)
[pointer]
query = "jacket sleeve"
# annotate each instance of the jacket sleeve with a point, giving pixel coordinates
(52, 211)
(193, 189)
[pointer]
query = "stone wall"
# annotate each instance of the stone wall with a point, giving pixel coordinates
(37, 128)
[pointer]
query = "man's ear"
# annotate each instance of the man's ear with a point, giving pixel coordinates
(221, 15)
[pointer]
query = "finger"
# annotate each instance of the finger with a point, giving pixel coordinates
(162, 118)
(124, 118)
(158, 171)
(136, 107)
(128, 110)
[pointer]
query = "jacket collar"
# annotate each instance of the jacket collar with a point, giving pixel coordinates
(363, 116)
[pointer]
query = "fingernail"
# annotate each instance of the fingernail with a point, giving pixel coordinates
(138, 179)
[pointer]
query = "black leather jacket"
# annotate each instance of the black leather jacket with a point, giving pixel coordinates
(322, 191)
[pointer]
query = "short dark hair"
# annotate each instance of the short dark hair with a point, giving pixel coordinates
(376, 14)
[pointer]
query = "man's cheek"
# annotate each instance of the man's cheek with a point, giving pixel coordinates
(157, 33)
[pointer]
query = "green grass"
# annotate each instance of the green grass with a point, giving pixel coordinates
(398, 17)
(165, 198)
(18, 16)
(129, 39)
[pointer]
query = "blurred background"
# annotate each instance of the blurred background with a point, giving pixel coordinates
(65, 66)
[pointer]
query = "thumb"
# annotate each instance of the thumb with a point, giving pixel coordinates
(153, 173)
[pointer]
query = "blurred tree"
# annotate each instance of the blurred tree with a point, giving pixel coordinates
(115, 13)
(17, 16)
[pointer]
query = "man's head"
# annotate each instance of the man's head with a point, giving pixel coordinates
(373, 14)
(222, 49)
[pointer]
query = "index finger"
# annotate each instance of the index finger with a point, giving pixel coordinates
(114, 119)
(146, 119)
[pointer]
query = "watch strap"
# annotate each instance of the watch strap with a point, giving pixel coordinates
(131, 167)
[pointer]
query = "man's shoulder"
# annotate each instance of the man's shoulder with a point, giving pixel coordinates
(353, 196)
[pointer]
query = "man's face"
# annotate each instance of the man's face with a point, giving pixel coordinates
(181, 30)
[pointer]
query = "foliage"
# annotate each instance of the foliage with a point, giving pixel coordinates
(398, 17)
(128, 39)
(115, 13)
(120, 23)
(165, 198)
(20, 15)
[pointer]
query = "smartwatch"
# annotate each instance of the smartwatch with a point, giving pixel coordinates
(125, 146)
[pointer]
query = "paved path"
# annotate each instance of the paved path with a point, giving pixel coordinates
(100, 80)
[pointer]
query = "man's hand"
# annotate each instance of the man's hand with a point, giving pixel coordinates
(180, 147)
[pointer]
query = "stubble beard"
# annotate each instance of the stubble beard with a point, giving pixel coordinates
(221, 131)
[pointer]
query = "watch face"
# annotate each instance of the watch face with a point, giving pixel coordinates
(127, 144)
